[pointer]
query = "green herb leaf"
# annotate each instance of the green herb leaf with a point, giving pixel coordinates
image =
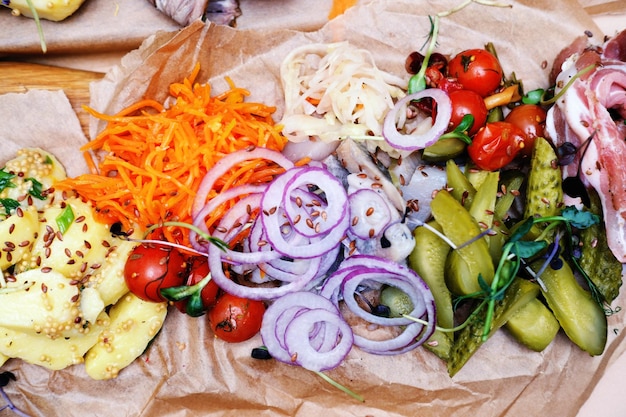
(483, 284)
(36, 190)
(533, 97)
(460, 132)
(9, 204)
(522, 229)
(579, 218)
(526, 249)
(466, 123)
(195, 306)
(6, 179)
(418, 81)
(65, 219)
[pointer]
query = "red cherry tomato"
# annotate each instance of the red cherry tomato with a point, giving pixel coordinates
(495, 145)
(468, 102)
(235, 319)
(198, 270)
(151, 267)
(477, 70)
(531, 118)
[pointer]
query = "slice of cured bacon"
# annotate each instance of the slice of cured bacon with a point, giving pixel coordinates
(590, 115)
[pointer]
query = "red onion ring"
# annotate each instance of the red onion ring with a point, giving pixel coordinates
(254, 293)
(353, 280)
(299, 345)
(277, 232)
(226, 163)
(329, 214)
(413, 142)
(343, 283)
(288, 331)
(214, 203)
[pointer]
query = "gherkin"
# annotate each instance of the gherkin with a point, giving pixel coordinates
(596, 259)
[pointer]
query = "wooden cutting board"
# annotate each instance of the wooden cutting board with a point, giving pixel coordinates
(19, 77)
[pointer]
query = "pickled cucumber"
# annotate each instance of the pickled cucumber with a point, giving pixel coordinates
(544, 192)
(580, 316)
(469, 261)
(468, 340)
(534, 325)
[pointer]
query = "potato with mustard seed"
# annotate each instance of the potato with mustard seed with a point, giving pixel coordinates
(55, 10)
(62, 289)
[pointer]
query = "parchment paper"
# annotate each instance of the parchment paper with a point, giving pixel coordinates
(186, 372)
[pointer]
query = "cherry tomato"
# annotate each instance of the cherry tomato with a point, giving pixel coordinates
(531, 118)
(198, 270)
(467, 102)
(415, 60)
(235, 319)
(435, 78)
(495, 145)
(477, 70)
(151, 267)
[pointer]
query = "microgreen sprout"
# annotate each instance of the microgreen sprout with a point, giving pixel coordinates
(204, 235)
(418, 81)
(339, 386)
(192, 293)
(534, 96)
(262, 353)
(557, 96)
(42, 40)
(465, 3)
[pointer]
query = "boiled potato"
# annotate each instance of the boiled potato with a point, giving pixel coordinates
(55, 10)
(83, 246)
(109, 278)
(40, 301)
(53, 354)
(32, 171)
(18, 232)
(133, 324)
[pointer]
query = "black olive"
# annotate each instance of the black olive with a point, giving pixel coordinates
(381, 310)
(6, 377)
(260, 353)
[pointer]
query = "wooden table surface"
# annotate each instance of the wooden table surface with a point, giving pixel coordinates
(18, 77)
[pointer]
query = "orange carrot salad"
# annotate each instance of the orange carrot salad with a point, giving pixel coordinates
(153, 158)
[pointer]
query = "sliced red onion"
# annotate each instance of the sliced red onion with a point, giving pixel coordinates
(413, 142)
(292, 270)
(226, 163)
(299, 344)
(353, 271)
(278, 229)
(215, 259)
(413, 335)
(356, 278)
(230, 194)
(307, 341)
(322, 216)
(369, 213)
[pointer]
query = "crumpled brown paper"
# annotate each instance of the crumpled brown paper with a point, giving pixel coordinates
(186, 372)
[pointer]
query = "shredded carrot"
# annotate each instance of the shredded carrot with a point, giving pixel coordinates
(502, 98)
(153, 158)
(339, 7)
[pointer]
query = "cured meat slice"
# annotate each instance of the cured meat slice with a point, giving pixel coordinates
(590, 115)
